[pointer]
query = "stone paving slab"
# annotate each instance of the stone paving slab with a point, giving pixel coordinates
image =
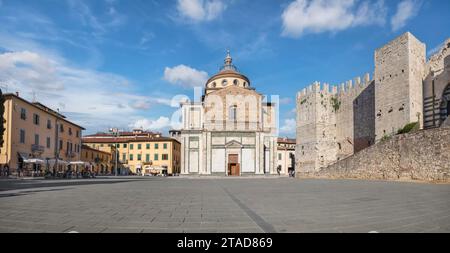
(204, 204)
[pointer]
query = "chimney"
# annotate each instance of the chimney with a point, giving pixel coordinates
(17, 93)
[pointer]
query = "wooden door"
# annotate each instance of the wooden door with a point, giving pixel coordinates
(233, 165)
(233, 169)
(236, 170)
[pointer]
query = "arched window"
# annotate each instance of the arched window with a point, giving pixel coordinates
(235, 82)
(233, 113)
(224, 82)
(214, 85)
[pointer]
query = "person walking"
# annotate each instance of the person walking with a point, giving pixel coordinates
(291, 172)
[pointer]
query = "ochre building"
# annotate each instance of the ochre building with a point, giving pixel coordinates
(139, 148)
(36, 133)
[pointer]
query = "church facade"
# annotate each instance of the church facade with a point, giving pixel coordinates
(231, 131)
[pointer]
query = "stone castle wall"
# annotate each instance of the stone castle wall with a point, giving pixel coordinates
(423, 155)
(326, 129)
(335, 124)
(436, 87)
(355, 116)
(399, 67)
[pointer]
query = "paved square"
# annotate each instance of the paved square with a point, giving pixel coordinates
(150, 204)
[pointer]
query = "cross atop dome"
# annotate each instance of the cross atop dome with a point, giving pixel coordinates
(228, 63)
(228, 59)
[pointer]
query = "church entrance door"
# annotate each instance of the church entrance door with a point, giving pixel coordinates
(233, 165)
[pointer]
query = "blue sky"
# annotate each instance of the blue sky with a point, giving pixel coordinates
(117, 63)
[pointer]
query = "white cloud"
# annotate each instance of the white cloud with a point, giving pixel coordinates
(95, 100)
(285, 100)
(141, 105)
(406, 10)
(200, 10)
(112, 11)
(185, 76)
(370, 14)
(146, 37)
(146, 124)
(99, 24)
(288, 127)
(32, 69)
(317, 16)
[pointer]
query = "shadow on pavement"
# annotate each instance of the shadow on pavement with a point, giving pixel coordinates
(25, 184)
(5, 195)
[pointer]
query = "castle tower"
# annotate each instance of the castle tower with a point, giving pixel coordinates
(316, 131)
(399, 68)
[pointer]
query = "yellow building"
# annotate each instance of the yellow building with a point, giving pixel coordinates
(139, 148)
(99, 161)
(37, 137)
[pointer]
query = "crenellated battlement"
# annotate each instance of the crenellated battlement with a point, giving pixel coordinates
(337, 121)
(350, 87)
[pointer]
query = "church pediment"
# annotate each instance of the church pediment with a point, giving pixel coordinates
(233, 144)
(235, 90)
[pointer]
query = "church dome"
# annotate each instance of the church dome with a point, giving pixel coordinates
(228, 75)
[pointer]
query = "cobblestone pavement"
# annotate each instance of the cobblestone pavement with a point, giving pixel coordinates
(151, 204)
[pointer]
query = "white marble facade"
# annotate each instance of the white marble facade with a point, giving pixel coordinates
(231, 131)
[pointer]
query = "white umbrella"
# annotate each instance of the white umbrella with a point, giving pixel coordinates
(52, 161)
(34, 160)
(78, 163)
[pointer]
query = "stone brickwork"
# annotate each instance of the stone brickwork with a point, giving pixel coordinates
(399, 68)
(335, 122)
(436, 88)
(423, 155)
(326, 127)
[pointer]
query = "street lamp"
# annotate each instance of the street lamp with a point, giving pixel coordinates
(115, 133)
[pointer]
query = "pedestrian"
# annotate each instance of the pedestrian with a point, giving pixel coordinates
(279, 169)
(291, 173)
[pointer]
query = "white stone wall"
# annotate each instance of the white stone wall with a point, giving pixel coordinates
(306, 153)
(248, 160)
(218, 160)
(399, 67)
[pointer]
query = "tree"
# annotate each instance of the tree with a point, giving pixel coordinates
(2, 120)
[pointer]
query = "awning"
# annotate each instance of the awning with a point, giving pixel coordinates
(78, 163)
(34, 161)
(52, 161)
